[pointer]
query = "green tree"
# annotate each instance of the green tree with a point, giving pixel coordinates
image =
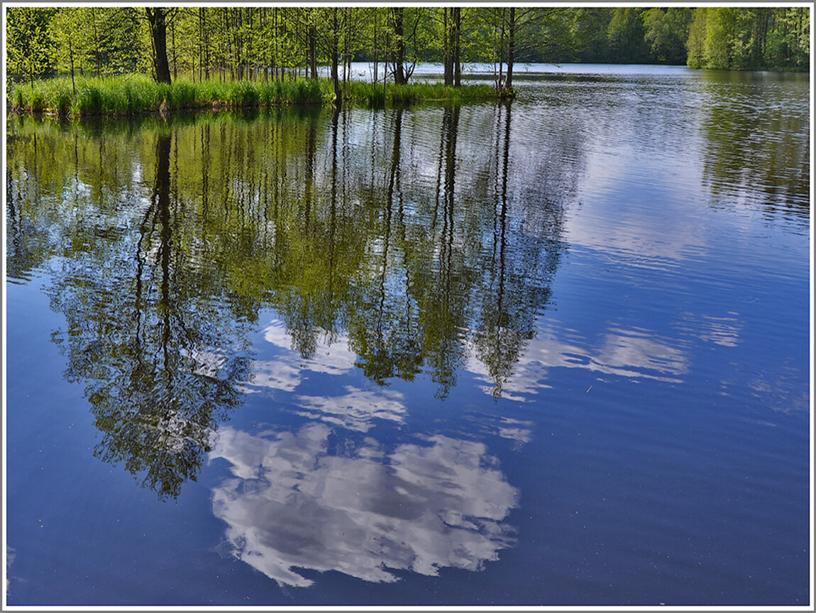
(588, 29)
(68, 27)
(30, 45)
(667, 32)
(625, 36)
(696, 39)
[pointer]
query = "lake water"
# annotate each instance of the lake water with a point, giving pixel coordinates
(548, 353)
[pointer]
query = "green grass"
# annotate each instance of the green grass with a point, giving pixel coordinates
(135, 94)
(378, 95)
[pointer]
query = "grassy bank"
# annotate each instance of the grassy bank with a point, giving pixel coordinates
(135, 94)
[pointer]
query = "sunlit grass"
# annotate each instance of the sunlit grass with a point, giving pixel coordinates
(134, 94)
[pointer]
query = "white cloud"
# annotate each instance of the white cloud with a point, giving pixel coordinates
(332, 356)
(274, 374)
(518, 430)
(632, 353)
(723, 331)
(420, 508)
(626, 224)
(355, 409)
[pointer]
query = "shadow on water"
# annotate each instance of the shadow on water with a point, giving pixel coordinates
(404, 232)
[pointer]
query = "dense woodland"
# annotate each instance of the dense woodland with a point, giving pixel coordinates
(271, 43)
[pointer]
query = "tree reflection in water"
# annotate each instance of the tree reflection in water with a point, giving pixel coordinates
(413, 242)
(773, 169)
(156, 354)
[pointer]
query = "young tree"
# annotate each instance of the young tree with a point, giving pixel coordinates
(67, 26)
(29, 46)
(334, 54)
(511, 45)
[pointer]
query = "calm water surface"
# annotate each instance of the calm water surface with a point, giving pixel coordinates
(547, 353)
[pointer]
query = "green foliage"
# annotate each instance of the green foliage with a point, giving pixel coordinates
(259, 46)
(29, 44)
(744, 39)
(588, 31)
(696, 39)
(625, 35)
(667, 32)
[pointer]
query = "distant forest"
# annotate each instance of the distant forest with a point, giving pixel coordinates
(267, 42)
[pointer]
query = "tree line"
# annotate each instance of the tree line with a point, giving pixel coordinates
(267, 43)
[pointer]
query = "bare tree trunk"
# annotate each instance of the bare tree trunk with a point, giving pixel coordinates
(399, 49)
(173, 39)
(500, 82)
(346, 56)
(457, 59)
(71, 55)
(206, 47)
(200, 42)
(313, 50)
(511, 47)
(275, 51)
(376, 49)
(96, 40)
(335, 58)
(158, 33)
(446, 50)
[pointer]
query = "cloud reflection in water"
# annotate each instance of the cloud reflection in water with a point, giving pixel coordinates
(421, 507)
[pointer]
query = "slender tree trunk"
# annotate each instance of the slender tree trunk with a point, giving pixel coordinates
(173, 39)
(399, 46)
(457, 59)
(96, 40)
(511, 46)
(206, 47)
(335, 58)
(446, 50)
(500, 82)
(200, 42)
(376, 48)
(346, 37)
(313, 50)
(275, 51)
(158, 32)
(71, 56)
